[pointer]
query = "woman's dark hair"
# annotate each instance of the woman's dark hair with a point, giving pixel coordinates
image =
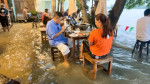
(107, 29)
(146, 12)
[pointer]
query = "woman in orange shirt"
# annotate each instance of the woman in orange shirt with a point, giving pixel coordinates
(100, 39)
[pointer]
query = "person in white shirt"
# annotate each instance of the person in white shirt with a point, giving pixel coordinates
(143, 27)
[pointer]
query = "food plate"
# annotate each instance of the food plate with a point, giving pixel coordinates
(81, 34)
(76, 31)
(73, 35)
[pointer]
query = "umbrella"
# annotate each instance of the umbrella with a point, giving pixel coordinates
(72, 7)
(101, 7)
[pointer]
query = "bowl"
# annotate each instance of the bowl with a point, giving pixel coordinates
(83, 26)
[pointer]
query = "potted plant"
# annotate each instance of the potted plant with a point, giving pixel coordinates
(34, 13)
(33, 16)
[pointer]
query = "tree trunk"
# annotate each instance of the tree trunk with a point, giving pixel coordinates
(116, 11)
(53, 6)
(62, 7)
(84, 13)
(58, 5)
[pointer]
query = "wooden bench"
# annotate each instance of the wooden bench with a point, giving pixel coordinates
(97, 64)
(43, 35)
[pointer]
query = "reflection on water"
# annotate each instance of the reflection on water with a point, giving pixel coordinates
(24, 57)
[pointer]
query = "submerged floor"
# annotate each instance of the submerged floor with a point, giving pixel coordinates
(24, 57)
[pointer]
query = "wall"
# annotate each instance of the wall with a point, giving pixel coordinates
(42, 4)
(20, 4)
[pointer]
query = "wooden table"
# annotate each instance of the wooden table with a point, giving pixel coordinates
(73, 40)
(73, 43)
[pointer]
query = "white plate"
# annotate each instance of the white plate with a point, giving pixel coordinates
(76, 31)
(73, 35)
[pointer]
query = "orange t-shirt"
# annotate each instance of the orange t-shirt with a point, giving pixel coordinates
(101, 46)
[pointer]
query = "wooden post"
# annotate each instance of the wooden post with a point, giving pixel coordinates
(109, 68)
(14, 10)
(37, 5)
(0, 2)
(6, 4)
(58, 5)
(95, 70)
(53, 2)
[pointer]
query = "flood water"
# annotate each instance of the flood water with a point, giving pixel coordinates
(24, 57)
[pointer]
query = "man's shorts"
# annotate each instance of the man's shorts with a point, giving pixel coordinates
(64, 48)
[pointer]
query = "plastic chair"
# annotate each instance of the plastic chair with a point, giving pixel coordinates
(141, 44)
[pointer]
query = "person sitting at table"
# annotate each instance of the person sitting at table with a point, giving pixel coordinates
(100, 40)
(54, 32)
(45, 17)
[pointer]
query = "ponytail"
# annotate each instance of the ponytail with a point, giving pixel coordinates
(107, 29)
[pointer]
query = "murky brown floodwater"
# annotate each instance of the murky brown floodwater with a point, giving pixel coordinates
(24, 57)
